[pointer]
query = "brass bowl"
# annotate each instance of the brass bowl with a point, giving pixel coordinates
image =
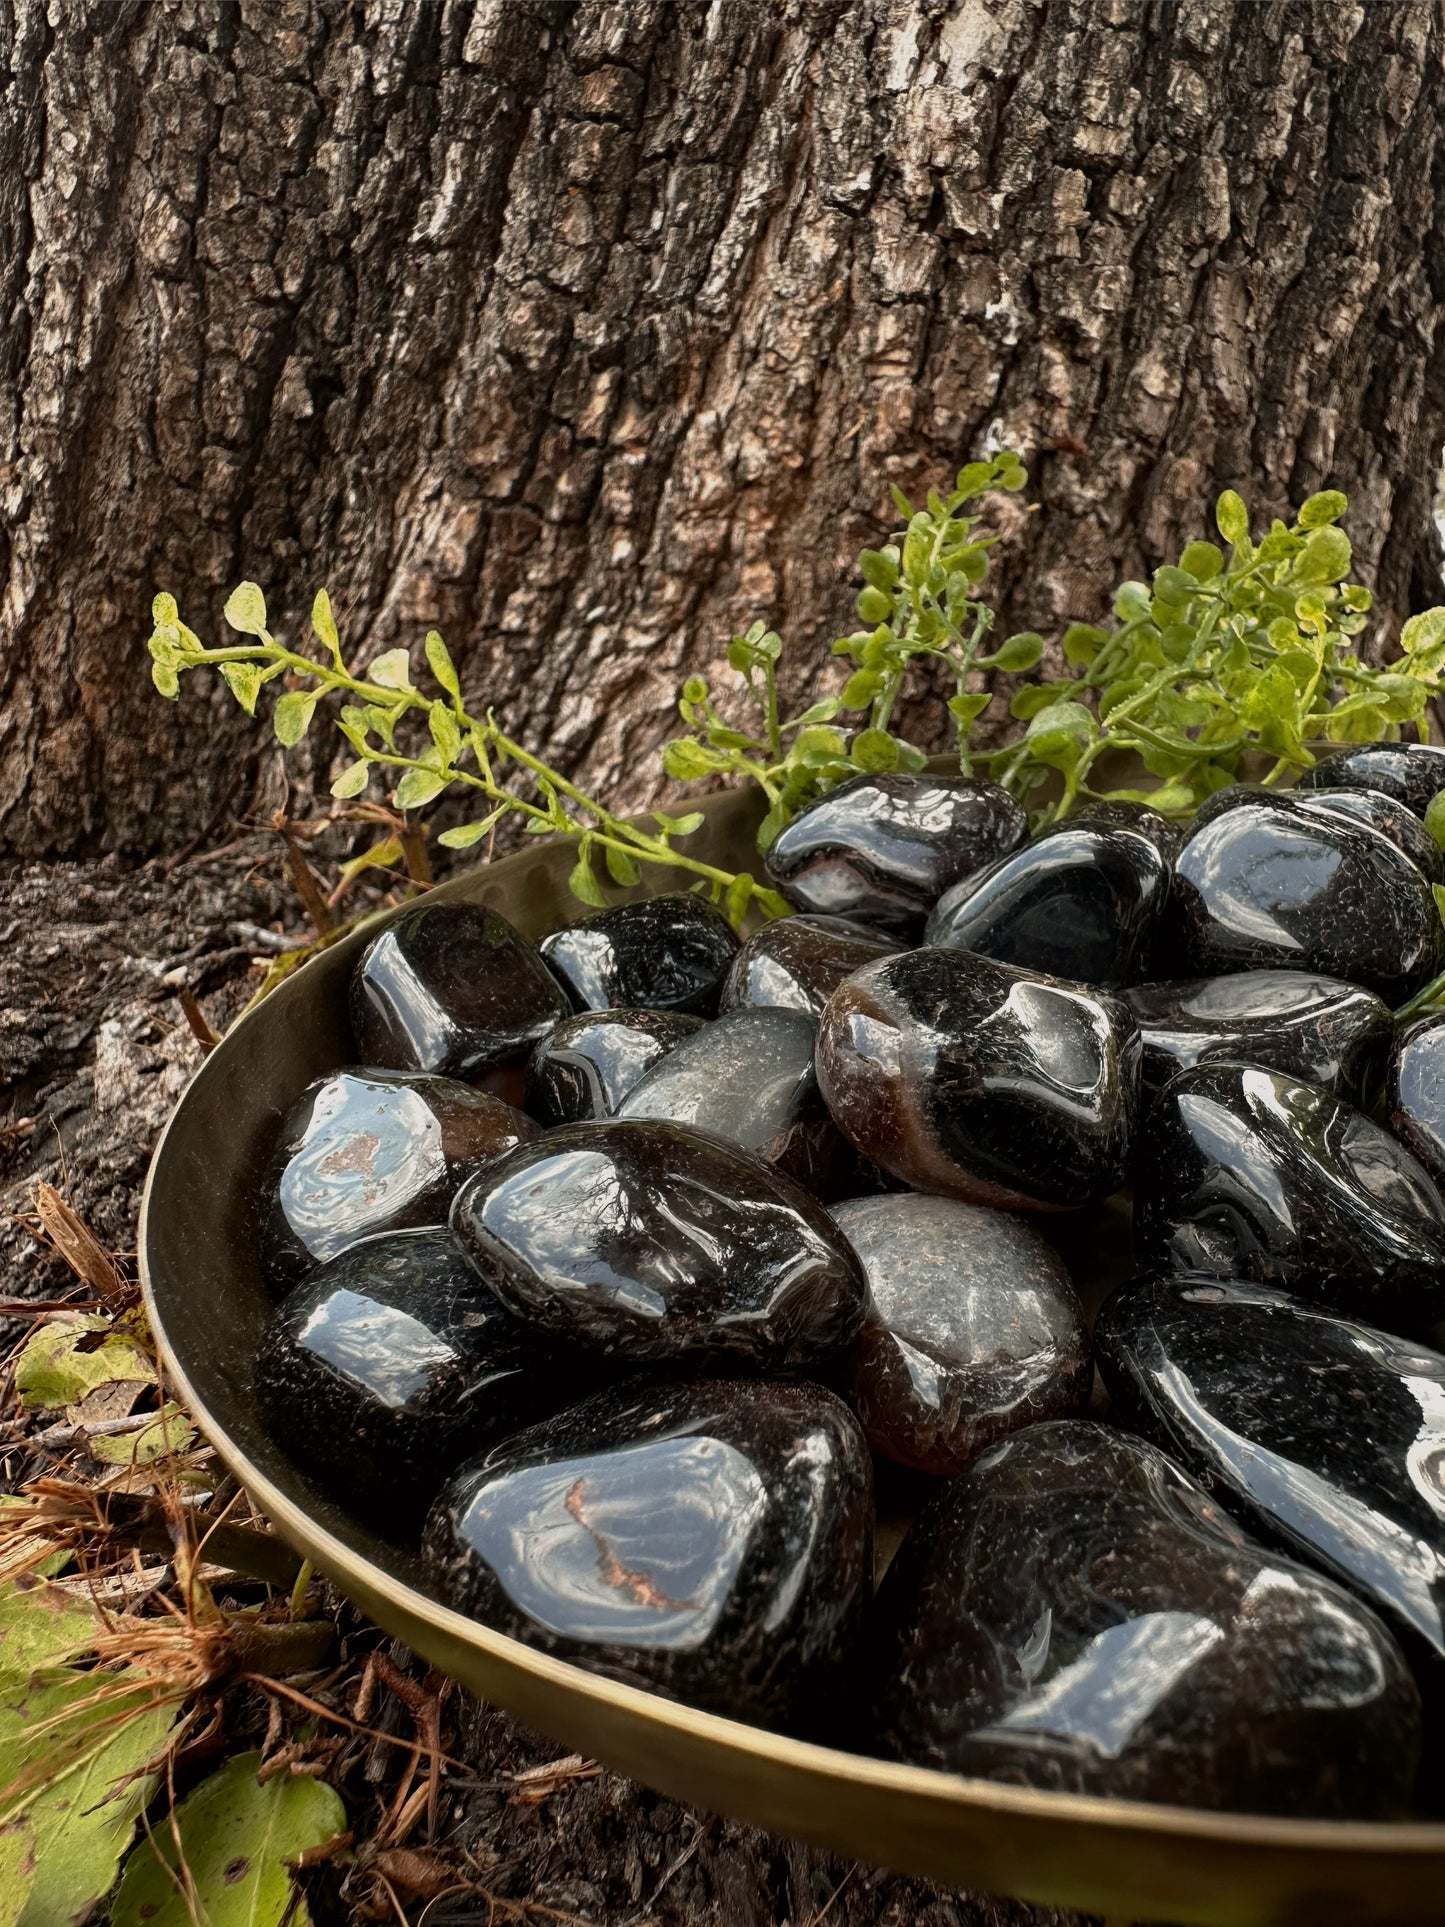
(207, 1307)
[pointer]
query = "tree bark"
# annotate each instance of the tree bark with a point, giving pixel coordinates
(587, 333)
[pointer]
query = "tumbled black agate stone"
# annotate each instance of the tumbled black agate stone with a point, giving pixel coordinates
(451, 987)
(711, 1539)
(1269, 882)
(1247, 1173)
(1315, 1028)
(973, 1330)
(1413, 773)
(389, 1364)
(660, 953)
(796, 963)
(975, 1080)
(1324, 1436)
(1116, 813)
(1074, 1613)
(884, 848)
(366, 1151)
(653, 1241)
(749, 1078)
(591, 1061)
(1390, 817)
(1081, 903)
(1415, 1092)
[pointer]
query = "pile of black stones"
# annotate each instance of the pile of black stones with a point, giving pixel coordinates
(622, 1273)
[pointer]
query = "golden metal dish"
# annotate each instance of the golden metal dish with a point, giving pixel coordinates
(207, 1306)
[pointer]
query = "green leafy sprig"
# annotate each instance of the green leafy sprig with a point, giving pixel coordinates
(917, 601)
(458, 748)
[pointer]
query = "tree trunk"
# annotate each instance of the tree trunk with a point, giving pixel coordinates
(588, 333)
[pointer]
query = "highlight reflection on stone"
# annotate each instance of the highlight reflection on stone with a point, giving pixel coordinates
(591, 1061)
(973, 1330)
(884, 848)
(385, 1366)
(711, 1539)
(1269, 882)
(652, 1241)
(1247, 1173)
(1414, 773)
(1081, 903)
(1389, 817)
(1415, 1092)
(1315, 1028)
(368, 1151)
(659, 953)
(971, 1079)
(1074, 1613)
(1322, 1435)
(796, 963)
(451, 987)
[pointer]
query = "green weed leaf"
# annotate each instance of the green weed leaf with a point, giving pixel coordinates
(583, 881)
(323, 624)
(418, 787)
(1231, 518)
(392, 670)
(292, 716)
(246, 610)
(352, 781)
(441, 665)
(243, 679)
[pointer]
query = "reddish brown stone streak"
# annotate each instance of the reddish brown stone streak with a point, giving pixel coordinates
(637, 1584)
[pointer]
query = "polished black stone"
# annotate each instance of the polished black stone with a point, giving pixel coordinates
(1414, 773)
(658, 1242)
(660, 953)
(1324, 1436)
(366, 1151)
(591, 1061)
(1390, 817)
(451, 987)
(711, 1539)
(387, 1366)
(1268, 881)
(974, 1329)
(796, 963)
(884, 848)
(1081, 903)
(1415, 1092)
(1115, 813)
(1315, 1028)
(1247, 1173)
(749, 1078)
(1074, 1613)
(967, 1077)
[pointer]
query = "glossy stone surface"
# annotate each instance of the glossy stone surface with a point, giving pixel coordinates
(1081, 903)
(749, 1078)
(591, 1061)
(974, 1080)
(796, 963)
(1415, 1092)
(1322, 1435)
(655, 1242)
(1074, 1613)
(884, 848)
(661, 953)
(388, 1365)
(1163, 832)
(1315, 1028)
(974, 1329)
(451, 987)
(711, 1539)
(1412, 772)
(367, 1151)
(1268, 882)
(1390, 817)
(1247, 1173)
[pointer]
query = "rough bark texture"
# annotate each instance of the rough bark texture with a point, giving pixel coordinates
(588, 332)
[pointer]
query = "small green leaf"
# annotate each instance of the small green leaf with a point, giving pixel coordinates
(1082, 642)
(1174, 586)
(965, 707)
(441, 665)
(874, 605)
(1423, 631)
(466, 834)
(1437, 890)
(1435, 817)
(246, 610)
(1318, 511)
(822, 711)
(583, 882)
(381, 856)
(1326, 556)
(323, 623)
(418, 787)
(1018, 653)
(61, 1363)
(680, 825)
(1036, 696)
(686, 759)
(860, 689)
(1201, 560)
(352, 781)
(166, 680)
(739, 896)
(292, 716)
(239, 1839)
(776, 817)
(243, 679)
(694, 690)
(1131, 601)
(621, 867)
(444, 732)
(1061, 719)
(391, 670)
(874, 749)
(878, 568)
(1231, 518)
(169, 1434)
(163, 608)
